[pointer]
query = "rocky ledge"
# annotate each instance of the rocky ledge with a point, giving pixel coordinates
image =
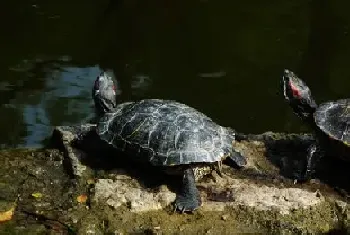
(63, 190)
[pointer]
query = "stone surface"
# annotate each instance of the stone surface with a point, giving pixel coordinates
(116, 193)
(44, 186)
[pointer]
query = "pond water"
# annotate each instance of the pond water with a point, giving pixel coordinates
(222, 57)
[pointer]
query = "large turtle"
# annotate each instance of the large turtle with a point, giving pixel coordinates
(330, 121)
(166, 134)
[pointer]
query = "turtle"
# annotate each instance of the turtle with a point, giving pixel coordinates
(165, 133)
(330, 121)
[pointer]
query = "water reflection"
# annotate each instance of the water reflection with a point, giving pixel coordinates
(66, 101)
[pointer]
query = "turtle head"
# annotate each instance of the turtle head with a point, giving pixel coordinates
(104, 94)
(298, 95)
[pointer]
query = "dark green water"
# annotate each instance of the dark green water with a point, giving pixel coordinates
(224, 58)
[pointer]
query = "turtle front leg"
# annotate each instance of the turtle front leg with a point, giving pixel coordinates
(188, 198)
(82, 130)
(314, 154)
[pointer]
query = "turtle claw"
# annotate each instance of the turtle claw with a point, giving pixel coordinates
(186, 204)
(80, 136)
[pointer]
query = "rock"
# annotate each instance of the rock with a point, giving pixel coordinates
(64, 135)
(225, 217)
(116, 193)
(260, 198)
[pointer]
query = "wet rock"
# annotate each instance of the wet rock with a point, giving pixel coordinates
(63, 137)
(38, 187)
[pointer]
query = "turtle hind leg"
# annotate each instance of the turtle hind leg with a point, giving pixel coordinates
(237, 158)
(188, 198)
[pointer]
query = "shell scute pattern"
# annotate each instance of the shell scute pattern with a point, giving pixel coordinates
(334, 119)
(169, 133)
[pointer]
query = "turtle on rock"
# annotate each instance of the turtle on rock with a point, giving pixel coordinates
(330, 121)
(164, 133)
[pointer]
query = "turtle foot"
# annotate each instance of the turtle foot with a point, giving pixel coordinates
(188, 199)
(185, 203)
(82, 130)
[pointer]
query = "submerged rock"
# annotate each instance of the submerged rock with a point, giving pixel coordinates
(95, 192)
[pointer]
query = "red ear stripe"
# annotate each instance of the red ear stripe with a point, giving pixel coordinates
(295, 91)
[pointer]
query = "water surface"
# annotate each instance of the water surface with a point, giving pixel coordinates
(222, 57)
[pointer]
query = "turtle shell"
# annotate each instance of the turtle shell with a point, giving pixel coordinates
(165, 133)
(333, 118)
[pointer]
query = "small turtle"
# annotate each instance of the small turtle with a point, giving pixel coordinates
(330, 121)
(165, 134)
